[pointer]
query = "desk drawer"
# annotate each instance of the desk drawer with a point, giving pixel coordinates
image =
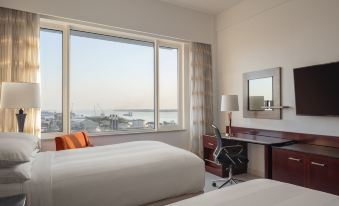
(209, 142)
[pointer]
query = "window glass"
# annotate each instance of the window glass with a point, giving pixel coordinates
(168, 87)
(111, 83)
(51, 80)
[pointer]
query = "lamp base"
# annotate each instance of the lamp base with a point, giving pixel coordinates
(21, 117)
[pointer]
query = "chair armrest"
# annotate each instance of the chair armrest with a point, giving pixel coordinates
(241, 149)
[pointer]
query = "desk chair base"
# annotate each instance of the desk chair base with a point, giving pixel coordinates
(230, 179)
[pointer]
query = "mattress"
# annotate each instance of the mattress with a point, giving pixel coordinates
(263, 192)
(133, 173)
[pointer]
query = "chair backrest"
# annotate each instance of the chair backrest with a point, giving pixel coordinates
(72, 141)
(219, 139)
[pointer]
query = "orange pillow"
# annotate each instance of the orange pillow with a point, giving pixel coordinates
(72, 141)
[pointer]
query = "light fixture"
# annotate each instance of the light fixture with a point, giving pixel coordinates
(20, 96)
(229, 103)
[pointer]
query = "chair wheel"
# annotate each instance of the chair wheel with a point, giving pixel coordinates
(214, 184)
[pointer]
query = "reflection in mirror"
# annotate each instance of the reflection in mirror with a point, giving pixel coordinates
(260, 93)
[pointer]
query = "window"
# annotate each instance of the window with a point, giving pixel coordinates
(102, 82)
(168, 87)
(112, 83)
(51, 80)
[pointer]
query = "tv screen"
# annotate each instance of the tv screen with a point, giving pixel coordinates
(317, 90)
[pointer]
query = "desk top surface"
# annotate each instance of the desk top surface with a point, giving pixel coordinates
(257, 139)
(314, 149)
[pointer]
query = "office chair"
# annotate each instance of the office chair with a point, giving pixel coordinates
(230, 155)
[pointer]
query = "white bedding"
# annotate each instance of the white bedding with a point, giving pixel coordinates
(134, 173)
(263, 192)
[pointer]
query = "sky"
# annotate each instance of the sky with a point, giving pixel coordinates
(108, 73)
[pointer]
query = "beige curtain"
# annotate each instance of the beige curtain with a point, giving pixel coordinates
(201, 95)
(19, 61)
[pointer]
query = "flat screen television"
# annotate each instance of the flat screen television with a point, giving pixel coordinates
(317, 90)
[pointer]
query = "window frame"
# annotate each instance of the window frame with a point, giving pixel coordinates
(180, 89)
(66, 28)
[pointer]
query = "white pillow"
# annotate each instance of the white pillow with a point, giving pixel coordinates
(17, 148)
(16, 174)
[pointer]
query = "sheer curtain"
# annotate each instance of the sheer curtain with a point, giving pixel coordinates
(201, 92)
(19, 61)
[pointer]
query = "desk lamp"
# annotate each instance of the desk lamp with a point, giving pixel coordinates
(229, 103)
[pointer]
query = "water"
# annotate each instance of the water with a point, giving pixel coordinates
(148, 116)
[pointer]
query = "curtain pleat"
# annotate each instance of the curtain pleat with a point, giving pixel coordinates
(19, 62)
(201, 91)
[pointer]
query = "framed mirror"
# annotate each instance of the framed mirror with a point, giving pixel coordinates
(261, 97)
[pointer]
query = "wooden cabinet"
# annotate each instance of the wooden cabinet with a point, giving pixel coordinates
(306, 167)
(209, 144)
(288, 166)
(323, 174)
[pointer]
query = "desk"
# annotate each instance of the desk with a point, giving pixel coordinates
(268, 142)
(256, 139)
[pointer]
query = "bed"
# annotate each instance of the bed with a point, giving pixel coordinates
(133, 173)
(263, 192)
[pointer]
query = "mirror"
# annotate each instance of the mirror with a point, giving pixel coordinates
(261, 94)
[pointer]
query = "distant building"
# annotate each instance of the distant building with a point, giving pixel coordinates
(150, 125)
(138, 123)
(85, 124)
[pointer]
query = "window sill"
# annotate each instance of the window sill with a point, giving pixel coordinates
(51, 136)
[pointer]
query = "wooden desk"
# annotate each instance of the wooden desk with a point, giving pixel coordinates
(268, 142)
(257, 139)
(209, 142)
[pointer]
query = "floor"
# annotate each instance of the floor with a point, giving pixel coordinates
(210, 177)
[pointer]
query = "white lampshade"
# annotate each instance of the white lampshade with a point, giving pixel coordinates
(20, 95)
(229, 103)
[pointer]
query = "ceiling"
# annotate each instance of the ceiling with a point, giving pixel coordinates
(206, 6)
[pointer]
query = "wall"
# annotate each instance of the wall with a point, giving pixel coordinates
(261, 34)
(149, 16)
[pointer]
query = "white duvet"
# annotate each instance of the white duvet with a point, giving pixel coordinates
(134, 173)
(262, 192)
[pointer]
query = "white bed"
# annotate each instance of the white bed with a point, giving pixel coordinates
(262, 192)
(134, 173)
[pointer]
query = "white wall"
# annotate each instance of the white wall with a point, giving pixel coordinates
(261, 34)
(150, 16)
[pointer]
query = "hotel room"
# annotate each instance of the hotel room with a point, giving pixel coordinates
(169, 102)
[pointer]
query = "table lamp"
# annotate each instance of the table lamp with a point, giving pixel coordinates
(229, 103)
(20, 96)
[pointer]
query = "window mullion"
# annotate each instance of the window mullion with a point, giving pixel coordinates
(65, 83)
(156, 85)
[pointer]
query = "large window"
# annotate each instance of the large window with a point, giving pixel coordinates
(51, 80)
(110, 83)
